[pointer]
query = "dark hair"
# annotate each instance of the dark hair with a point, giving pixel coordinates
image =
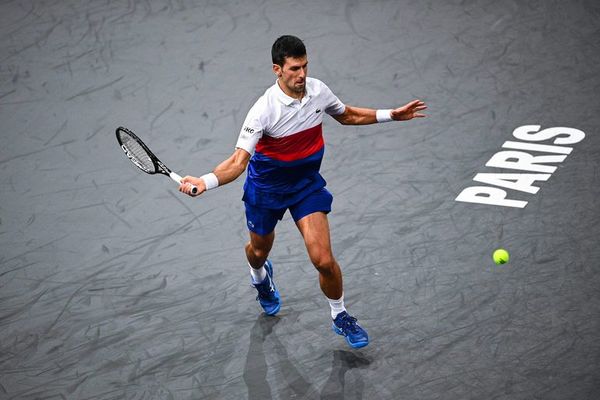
(287, 46)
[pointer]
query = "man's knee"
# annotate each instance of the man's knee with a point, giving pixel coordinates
(258, 252)
(323, 262)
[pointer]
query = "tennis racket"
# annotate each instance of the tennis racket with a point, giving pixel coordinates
(142, 157)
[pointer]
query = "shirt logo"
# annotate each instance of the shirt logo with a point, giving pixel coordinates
(248, 129)
(318, 111)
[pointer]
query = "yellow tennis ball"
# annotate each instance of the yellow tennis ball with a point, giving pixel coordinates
(500, 256)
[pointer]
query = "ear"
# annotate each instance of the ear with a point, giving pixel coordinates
(277, 70)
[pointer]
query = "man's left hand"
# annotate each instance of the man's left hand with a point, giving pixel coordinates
(409, 111)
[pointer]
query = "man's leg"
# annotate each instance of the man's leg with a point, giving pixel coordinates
(315, 231)
(261, 271)
(261, 223)
(258, 248)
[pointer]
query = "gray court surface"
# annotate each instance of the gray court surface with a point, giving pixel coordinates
(113, 285)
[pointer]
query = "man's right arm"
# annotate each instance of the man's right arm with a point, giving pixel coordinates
(227, 171)
(230, 169)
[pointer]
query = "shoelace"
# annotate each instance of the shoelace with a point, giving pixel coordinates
(349, 323)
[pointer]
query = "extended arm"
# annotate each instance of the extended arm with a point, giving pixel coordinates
(227, 171)
(365, 116)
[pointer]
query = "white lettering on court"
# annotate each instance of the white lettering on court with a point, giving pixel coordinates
(534, 167)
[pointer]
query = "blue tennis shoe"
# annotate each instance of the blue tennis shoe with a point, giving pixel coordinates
(268, 295)
(345, 325)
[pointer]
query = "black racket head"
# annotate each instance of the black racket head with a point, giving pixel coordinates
(137, 151)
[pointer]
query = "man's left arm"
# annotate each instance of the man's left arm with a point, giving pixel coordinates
(365, 116)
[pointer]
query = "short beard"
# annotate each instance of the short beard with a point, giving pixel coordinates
(296, 90)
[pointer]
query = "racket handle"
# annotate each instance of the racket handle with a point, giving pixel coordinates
(178, 179)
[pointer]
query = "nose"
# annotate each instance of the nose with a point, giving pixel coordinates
(303, 72)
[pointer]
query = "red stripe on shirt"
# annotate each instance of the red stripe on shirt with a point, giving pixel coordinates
(293, 147)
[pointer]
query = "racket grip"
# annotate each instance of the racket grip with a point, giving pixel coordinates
(177, 178)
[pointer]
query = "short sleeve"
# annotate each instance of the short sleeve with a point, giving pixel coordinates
(251, 131)
(333, 105)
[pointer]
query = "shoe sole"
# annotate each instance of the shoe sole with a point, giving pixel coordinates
(356, 345)
(272, 313)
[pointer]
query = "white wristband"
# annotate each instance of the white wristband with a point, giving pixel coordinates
(210, 181)
(383, 115)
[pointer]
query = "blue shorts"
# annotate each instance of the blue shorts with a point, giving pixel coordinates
(263, 220)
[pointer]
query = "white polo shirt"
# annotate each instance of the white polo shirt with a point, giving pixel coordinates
(286, 139)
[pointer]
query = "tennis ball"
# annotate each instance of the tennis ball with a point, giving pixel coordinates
(500, 256)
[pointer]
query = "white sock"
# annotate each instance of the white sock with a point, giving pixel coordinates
(337, 306)
(258, 275)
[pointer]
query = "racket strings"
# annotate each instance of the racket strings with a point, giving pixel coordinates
(137, 153)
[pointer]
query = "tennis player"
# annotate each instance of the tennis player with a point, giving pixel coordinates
(281, 146)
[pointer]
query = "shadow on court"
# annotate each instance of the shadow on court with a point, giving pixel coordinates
(264, 341)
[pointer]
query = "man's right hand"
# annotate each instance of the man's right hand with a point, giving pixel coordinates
(188, 181)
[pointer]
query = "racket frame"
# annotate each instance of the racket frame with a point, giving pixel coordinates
(159, 166)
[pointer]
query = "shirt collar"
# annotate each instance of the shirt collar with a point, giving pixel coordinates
(287, 100)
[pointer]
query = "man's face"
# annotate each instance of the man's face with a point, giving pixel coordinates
(292, 75)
